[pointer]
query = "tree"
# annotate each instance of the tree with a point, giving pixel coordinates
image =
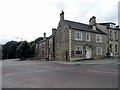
(24, 50)
(9, 50)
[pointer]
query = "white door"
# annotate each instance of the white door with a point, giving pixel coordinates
(88, 52)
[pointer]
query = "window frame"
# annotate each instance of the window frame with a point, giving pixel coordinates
(88, 36)
(100, 38)
(80, 35)
(110, 47)
(99, 52)
(116, 35)
(80, 49)
(110, 34)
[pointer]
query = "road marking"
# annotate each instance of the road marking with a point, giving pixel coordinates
(102, 72)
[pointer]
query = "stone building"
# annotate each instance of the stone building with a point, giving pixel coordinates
(113, 37)
(41, 50)
(0, 52)
(45, 49)
(74, 41)
(51, 45)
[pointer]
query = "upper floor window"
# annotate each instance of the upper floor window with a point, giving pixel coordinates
(98, 50)
(110, 35)
(78, 50)
(115, 35)
(78, 36)
(98, 38)
(87, 37)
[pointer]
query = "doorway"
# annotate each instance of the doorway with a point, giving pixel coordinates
(88, 52)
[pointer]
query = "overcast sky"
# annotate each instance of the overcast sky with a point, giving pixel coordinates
(29, 19)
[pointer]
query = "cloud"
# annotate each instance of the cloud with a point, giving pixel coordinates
(29, 19)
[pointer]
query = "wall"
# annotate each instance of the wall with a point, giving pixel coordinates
(92, 44)
(111, 41)
(62, 42)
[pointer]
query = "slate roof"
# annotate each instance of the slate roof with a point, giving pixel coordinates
(107, 23)
(82, 27)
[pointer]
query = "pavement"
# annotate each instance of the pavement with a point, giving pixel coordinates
(92, 62)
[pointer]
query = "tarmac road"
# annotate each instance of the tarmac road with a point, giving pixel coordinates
(47, 74)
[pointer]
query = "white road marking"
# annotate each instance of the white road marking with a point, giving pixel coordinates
(103, 72)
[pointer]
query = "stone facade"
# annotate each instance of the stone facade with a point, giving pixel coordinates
(51, 45)
(113, 37)
(41, 50)
(0, 52)
(74, 41)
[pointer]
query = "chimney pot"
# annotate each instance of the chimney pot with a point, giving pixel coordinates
(92, 20)
(62, 16)
(53, 31)
(44, 35)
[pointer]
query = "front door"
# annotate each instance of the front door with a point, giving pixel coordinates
(88, 52)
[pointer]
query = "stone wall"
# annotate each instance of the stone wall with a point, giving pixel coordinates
(92, 44)
(62, 42)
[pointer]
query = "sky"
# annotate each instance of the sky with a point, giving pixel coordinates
(29, 19)
(119, 13)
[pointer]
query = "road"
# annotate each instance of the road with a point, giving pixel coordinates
(47, 74)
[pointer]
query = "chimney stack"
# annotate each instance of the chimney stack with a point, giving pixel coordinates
(62, 16)
(92, 20)
(44, 35)
(53, 31)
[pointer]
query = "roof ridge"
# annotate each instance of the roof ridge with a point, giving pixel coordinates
(77, 22)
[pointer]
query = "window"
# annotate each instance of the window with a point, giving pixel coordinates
(78, 36)
(110, 47)
(115, 35)
(110, 35)
(112, 25)
(87, 37)
(42, 53)
(116, 48)
(98, 38)
(98, 50)
(37, 46)
(78, 50)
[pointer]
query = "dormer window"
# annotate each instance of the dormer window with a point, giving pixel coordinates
(112, 25)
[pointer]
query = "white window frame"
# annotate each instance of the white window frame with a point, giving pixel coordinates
(99, 52)
(80, 49)
(98, 36)
(80, 35)
(88, 36)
